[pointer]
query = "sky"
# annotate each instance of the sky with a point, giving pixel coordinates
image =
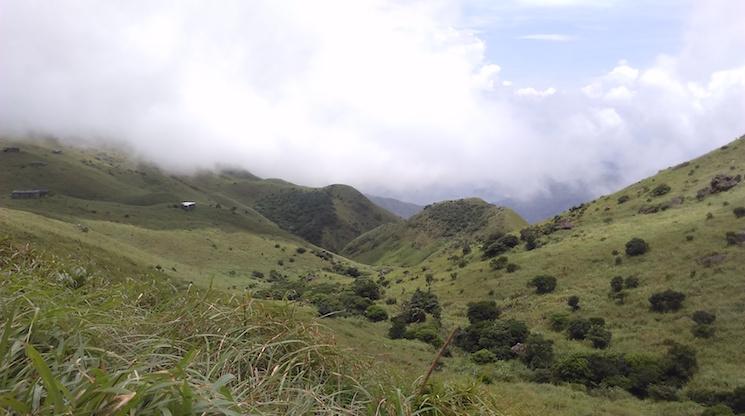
(520, 100)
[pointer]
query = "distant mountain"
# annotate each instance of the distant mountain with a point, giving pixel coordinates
(437, 225)
(403, 209)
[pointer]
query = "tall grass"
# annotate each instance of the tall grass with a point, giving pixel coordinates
(76, 342)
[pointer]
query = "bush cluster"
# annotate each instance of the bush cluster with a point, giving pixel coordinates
(543, 284)
(636, 247)
(415, 311)
(667, 301)
(592, 329)
(497, 244)
(640, 374)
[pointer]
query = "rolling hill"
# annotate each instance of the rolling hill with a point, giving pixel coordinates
(116, 217)
(438, 225)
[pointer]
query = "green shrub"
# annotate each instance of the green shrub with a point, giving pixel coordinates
(483, 356)
(703, 317)
(578, 328)
(398, 328)
(391, 301)
(623, 199)
(496, 336)
(660, 190)
(300, 250)
(539, 352)
(573, 302)
(739, 212)
(482, 311)
(512, 267)
(599, 336)
(667, 301)
(681, 364)
(543, 284)
(636, 247)
(616, 284)
(425, 333)
(376, 313)
(327, 305)
(355, 304)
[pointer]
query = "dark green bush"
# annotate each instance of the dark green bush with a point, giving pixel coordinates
(616, 284)
(703, 317)
(376, 313)
(578, 328)
(398, 328)
(667, 301)
(355, 304)
(597, 321)
(300, 250)
(512, 267)
(573, 302)
(482, 311)
(739, 212)
(483, 356)
(622, 199)
(425, 333)
(660, 190)
(496, 336)
(390, 301)
(543, 284)
(636, 247)
(539, 352)
(599, 336)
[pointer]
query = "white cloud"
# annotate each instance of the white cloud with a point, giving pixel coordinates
(549, 37)
(376, 93)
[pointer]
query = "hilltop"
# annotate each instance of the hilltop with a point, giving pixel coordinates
(461, 222)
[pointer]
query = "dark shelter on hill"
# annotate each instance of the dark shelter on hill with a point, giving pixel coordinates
(11, 150)
(29, 194)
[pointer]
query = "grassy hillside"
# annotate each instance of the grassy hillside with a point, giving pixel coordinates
(448, 223)
(328, 217)
(139, 254)
(102, 200)
(694, 230)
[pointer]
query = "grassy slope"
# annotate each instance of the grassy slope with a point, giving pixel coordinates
(127, 210)
(437, 226)
(582, 261)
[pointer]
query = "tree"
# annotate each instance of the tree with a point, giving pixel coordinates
(485, 310)
(573, 302)
(366, 288)
(543, 284)
(636, 247)
(667, 301)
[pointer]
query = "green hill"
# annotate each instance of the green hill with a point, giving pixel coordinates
(101, 199)
(116, 218)
(438, 225)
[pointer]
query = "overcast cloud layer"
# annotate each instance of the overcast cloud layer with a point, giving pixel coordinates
(390, 96)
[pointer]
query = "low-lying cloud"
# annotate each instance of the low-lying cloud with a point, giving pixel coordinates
(386, 95)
